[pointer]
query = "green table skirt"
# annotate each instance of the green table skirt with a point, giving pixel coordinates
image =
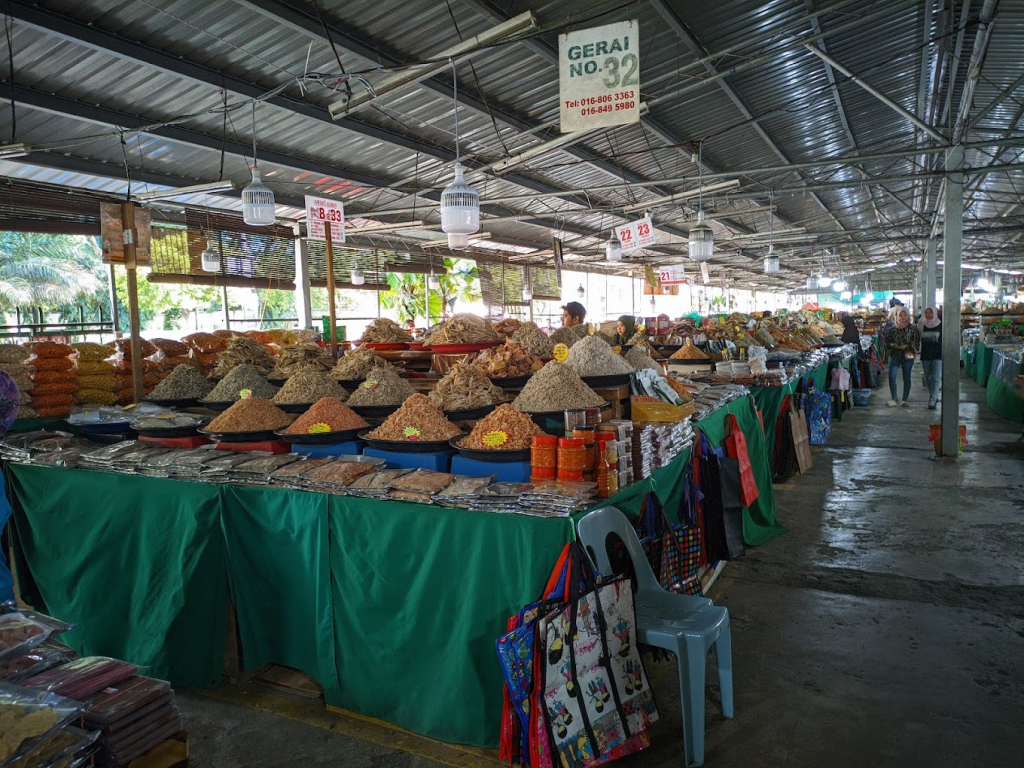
(1003, 400)
(983, 361)
(393, 607)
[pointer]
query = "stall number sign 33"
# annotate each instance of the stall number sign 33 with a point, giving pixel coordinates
(599, 77)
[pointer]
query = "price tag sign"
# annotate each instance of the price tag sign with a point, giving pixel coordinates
(319, 428)
(560, 352)
(319, 212)
(495, 439)
(411, 433)
(704, 276)
(674, 274)
(599, 77)
(637, 234)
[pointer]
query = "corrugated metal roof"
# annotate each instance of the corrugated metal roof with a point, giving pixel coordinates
(89, 66)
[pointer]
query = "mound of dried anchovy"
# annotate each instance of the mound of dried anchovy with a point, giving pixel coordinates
(183, 383)
(417, 420)
(593, 356)
(308, 387)
(383, 386)
(555, 387)
(357, 364)
(241, 379)
(252, 414)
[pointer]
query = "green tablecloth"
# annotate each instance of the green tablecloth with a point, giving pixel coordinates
(983, 360)
(769, 401)
(969, 357)
(392, 607)
(999, 393)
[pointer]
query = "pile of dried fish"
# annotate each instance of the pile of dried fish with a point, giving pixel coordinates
(688, 352)
(241, 381)
(504, 429)
(462, 329)
(464, 386)
(383, 386)
(569, 336)
(183, 383)
(639, 358)
(593, 356)
(327, 415)
(508, 360)
(242, 350)
(308, 387)
(357, 364)
(507, 326)
(301, 357)
(533, 340)
(253, 414)
(555, 387)
(417, 420)
(384, 331)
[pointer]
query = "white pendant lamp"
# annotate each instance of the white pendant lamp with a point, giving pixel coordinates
(358, 278)
(701, 237)
(839, 285)
(810, 282)
(209, 260)
(771, 261)
(580, 292)
(433, 283)
(460, 203)
(258, 208)
(846, 295)
(824, 281)
(613, 248)
(527, 293)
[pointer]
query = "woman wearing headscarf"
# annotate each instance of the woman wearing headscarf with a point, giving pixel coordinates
(850, 333)
(625, 329)
(903, 342)
(930, 327)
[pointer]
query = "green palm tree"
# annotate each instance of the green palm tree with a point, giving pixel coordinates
(48, 271)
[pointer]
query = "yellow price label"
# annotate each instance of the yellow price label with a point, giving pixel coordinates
(617, 349)
(369, 384)
(319, 428)
(244, 394)
(560, 352)
(411, 433)
(495, 439)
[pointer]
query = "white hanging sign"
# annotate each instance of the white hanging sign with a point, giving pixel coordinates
(674, 274)
(704, 276)
(635, 235)
(319, 211)
(599, 76)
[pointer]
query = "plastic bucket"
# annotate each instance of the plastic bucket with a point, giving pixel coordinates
(935, 436)
(861, 397)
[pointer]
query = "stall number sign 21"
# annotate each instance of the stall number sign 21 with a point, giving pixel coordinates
(636, 234)
(599, 76)
(319, 211)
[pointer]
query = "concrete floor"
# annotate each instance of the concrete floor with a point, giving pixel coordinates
(885, 629)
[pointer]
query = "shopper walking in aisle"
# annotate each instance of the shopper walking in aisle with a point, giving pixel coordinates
(904, 343)
(930, 327)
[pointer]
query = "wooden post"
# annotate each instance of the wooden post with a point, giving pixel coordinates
(130, 238)
(331, 311)
(227, 309)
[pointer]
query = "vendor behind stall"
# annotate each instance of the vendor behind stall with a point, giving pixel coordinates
(573, 314)
(625, 328)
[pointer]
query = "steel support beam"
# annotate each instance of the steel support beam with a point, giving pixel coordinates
(303, 303)
(951, 274)
(930, 260)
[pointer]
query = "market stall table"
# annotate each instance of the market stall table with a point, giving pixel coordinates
(393, 607)
(983, 359)
(1000, 390)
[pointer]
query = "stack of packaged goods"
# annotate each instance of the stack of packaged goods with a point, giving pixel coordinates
(170, 355)
(96, 381)
(13, 359)
(206, 348)
(123, 369)
(55, 379)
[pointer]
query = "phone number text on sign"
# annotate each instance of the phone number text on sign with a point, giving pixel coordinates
(599, 77)
(320, 211)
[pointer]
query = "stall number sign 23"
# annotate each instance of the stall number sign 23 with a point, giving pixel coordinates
(599, 76)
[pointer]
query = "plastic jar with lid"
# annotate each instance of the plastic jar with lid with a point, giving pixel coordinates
(543, 457)
(571, 457)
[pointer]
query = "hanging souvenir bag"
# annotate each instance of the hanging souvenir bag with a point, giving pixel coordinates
(736, 448)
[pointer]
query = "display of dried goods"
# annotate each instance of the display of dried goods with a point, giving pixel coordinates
(14, 353)
(533, 340)
(383, 386)
(416, 498)
(328, 414)
(422, 481)
(241, 380)
(463, 328)
(384, 331)
(90, 352)
(417, 420)
(355, 365)
(170, 347)
(593, 356)
(242, 350)
(96, 396)
(54, 388)
(301, 357)
(107, 383)
(95, 368)
(206, 343)
(504, 429)
(124, 347)
(54, 377)
(510, 359)
(688, 352)
(507, 326)
(308, 387)
(464, 386)
(124, 367)
(639, 358)
(569, 336)
(253, 414)
(45, 349)
(53, 364)
(339, 473)
(169, 420)
(555, 387)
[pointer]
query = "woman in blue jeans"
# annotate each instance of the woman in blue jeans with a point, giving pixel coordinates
(904, 343)
(930, 327)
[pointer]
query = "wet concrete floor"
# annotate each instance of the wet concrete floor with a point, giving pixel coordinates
(885, 629)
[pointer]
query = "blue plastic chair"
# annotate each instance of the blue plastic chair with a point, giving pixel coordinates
(684, 624)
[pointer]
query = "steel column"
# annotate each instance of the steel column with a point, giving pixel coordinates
(951, 300)
(929, 273)
(303, 303)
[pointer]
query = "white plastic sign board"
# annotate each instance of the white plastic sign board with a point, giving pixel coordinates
(636, 234)
(319, 211)
(704, 276)
(599, 76)
(674, 274)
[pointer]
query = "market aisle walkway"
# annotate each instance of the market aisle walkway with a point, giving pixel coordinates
(885, 629)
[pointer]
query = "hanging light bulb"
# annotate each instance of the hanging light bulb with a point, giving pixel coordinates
(839, 285)
(580, 292)
(460, 203)
(527, 293)
(824, 281)
(209, 259)
(701, 237)
(810, 282)
(257, 200)
(846, 295)
(613, 248)
(654, 304)
(358, 278)
(433, 283)
(771, 262)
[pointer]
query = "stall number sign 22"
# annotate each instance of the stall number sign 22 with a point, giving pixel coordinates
(599, 76)
(636, 234)
(319, 211)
